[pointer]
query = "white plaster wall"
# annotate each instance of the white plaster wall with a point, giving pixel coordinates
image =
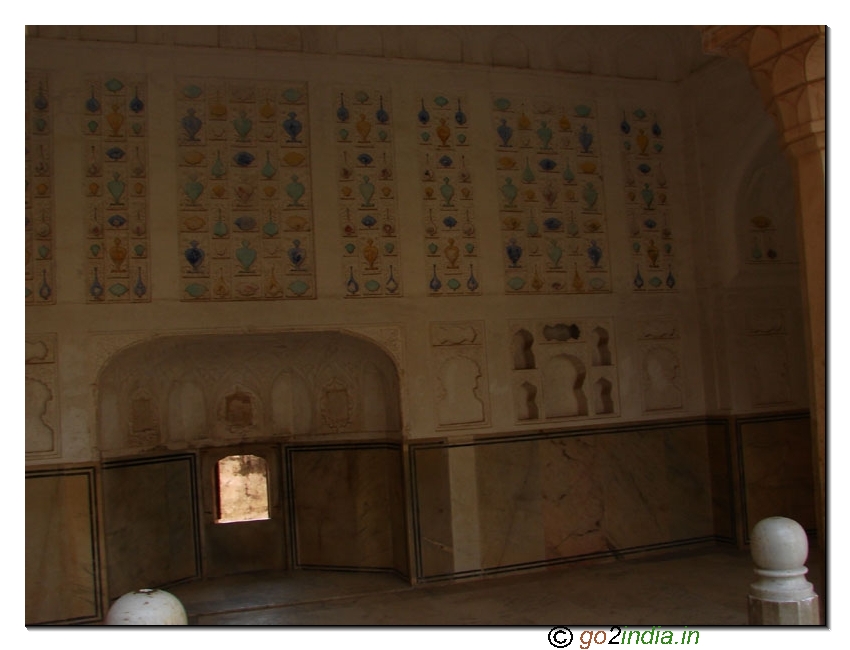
(702, 117)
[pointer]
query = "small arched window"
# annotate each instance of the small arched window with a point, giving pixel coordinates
(242, 489)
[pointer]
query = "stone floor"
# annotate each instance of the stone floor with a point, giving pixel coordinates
(707, 587)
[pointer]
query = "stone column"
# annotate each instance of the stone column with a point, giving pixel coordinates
(788, 64)
(781, 595)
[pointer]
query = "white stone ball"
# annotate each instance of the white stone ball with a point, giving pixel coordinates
(779, 544)
(147, 607)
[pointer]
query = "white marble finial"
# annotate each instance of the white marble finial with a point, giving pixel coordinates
(147, 607)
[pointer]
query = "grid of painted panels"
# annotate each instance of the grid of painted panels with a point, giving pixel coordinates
(115, 187)
(368, 213)
(550, 193)
(38, 204)
(245, 210)
(451, 245)
(649, 206)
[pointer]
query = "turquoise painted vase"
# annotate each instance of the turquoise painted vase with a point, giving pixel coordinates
(447, 191)
(243, 125)
(647, 195)
(116, 188)
(194, 188)
(367, 190)
(295, 190)
(246, 255)
(590, 195)
(545, 135)
(509, 191)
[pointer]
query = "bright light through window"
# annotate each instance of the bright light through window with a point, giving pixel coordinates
(243, 491)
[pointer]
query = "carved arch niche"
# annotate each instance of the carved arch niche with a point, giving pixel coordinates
(206, 389)
(459, 374)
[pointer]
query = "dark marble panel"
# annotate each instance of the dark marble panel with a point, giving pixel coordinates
(342, 505)
(722, 484)
(63, 577)
(433, 511)
(777, 470)
(686, 457)
(510, 503)
(150, 519)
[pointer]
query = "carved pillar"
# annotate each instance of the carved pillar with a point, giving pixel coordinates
(788, 64)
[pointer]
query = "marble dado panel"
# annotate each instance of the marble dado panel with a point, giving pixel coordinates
(347, 507)
(40, 270)
(245, 205)
(546, 499)
(150, 522)
(776, 473)
(63, 556)
(43, 436)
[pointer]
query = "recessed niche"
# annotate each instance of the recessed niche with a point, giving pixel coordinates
(521, 345)
(602, 401)
(525, 396)
(563, 387)
(242, 489)
(562, 332)
(601, 352)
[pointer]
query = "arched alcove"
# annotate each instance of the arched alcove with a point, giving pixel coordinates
(221, 385)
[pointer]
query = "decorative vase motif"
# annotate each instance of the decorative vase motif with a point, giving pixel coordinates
(424, 116)
(271, 228)
(447, 191)
(137, 168)
(532, 229)
(642, 141)
(452, 253)
(471, 283)
(218, 168)
(594, 253)
(460, 116)
(638, 281)
(116, 188)
(671, 281)
(527, 174)
(118, 253)
(296, 254)
(96, 288)
(443, 132)
(268, 169)
(92, 104)
(292, 127)
(624, 125)
(652, 254)
(381, 115)
(194, 255)
(505, 132)
(523, 122)
(392, 284)
(351, 286)
(550, 194)
(370, 252)
(363, 128)
(585, 139)
(139, 288)
(435, 283)
(295, 190)
(246, 255)
(647, 195)
(367, 190)
(115, 120)
(555, 253)
(514, 252)
(464, 175)
(193, 188)
(568, 175)
(191, 124)
(578, 283)
(590, 195)
(545, 135)
(342, 113)
(509, 190)
(40, 101)
(656, 130)
(44, 291)
(136, 104)
(243, 125)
